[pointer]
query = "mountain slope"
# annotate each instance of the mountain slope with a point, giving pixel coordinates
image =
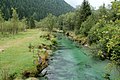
(38, 8)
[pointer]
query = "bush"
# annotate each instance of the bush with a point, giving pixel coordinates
(108, 40)
(88, 24)
(93, 36)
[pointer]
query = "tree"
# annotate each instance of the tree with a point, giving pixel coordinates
(88, 24)
(15, 20)
(26, 8)
(69, 20)
(1, 22)
(115, 10)
(31, 22)
(14, 15)
(82, 13)
(51, 22)
(61, 21)
(23, 24)
(104, 13)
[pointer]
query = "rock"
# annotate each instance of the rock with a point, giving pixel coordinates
(18, 79)
(1, 50)
(86, 45)
(67, 34)
(43, 73)
(32, 78)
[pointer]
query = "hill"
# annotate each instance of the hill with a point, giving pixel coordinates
(37, 8)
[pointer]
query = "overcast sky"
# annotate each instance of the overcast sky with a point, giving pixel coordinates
(94, 3)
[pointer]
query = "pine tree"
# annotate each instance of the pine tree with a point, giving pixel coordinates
(82, 13)
(31, 22)
(26, 8)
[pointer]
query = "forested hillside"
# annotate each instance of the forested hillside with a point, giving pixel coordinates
(37, 8)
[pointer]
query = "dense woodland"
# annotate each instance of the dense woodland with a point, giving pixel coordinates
(37, 8)
(99, 29)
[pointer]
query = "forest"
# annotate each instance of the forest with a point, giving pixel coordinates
(37, 8)
(38, 24)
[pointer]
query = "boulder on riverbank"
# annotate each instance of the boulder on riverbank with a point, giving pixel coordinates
(32, 78)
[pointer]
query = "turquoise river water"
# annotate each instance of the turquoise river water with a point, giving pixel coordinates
(72, 63)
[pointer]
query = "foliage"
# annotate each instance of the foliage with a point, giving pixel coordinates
(93, 35)
(1, 22)
(107, 39)
(100, 27)
(115, 10)
(73, 20)
(82, 13)
(31, 23)
(12, 26)
(88, 24)
(106, 34)
(67, 21)
(49, 22)
(109, 36)
(28, 7)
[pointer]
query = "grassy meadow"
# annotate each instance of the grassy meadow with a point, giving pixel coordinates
(16, 57)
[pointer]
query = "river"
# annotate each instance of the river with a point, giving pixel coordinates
(72, 63)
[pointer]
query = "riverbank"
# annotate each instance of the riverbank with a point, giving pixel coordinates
(83, 40)
(112, 69)
(80, 39)
(70, 63)
(19, 53)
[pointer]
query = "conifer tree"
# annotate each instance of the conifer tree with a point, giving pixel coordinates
(82, 13)
(32, 22)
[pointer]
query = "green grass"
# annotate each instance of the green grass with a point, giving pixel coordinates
(17, 58)
(29, 32)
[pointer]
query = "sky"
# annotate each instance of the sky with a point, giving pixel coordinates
(94, 3)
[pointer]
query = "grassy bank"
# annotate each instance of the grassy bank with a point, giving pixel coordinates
(16, 57)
